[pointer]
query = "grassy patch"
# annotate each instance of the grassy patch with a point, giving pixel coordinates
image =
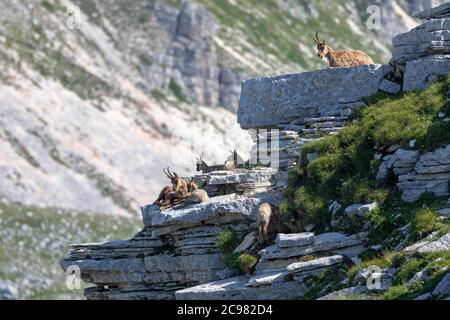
(227, 241)
(247, 262)
(423, 223)
(34, 240)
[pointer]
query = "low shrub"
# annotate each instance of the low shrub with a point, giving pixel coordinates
(423, 223)
(247, 262)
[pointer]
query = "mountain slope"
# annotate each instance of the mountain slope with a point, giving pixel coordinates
(90, 115)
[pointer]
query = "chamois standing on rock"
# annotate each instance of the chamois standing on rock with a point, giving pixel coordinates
(344, 58)
(263, 220)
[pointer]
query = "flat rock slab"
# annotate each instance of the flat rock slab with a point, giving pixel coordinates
(443, 287)
(195, 214)
(319, 263)
(294, 239)
(441, 244)
(266, 102)
(345, 293)
(232, 177)
(237, 289)
(332, 241)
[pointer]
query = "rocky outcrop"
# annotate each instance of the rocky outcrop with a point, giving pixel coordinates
(192, 62)
(417, 174)
(269, 102)
(240, 181)
(425, 50)
(176, 249)
(280, 273)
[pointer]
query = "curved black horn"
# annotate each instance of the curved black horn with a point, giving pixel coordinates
(317, 36)
(315, 40)
(167, 175)
(172, 175)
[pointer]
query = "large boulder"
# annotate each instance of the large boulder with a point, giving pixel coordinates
(421, 73)
(267, 102)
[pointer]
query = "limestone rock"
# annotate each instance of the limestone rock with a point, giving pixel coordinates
(216, 208)
(247, 243)
(431, 174)
(8, 290)
(320, 263)
(294, 239)
(389, 86)
(424, 296)
(345, 293)
(443, 288)
(435, 12)
(444, 212)
(275, 257)
(237, 289)
(266, 102)
(421, 73)
(428, 245)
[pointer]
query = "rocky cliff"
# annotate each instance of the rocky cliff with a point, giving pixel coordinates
(178, 254)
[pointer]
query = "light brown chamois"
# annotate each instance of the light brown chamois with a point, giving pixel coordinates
(344, 58)
(195, 195)
(263, 220)
(178, 189)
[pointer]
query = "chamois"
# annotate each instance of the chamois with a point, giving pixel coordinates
(263, 220)
(195, 195)
(178, 189)
(344, 58)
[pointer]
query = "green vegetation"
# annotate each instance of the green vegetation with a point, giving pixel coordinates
(278, 34)
(158, 94)
(247, 262)
(345, 170)
(435, 264)
(423, 223)
(176, 90)
(327, 281)
(227, 241)
(34, 240)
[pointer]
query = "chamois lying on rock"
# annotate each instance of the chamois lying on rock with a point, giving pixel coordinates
(178, 189)
(179, 193)
(344, 58)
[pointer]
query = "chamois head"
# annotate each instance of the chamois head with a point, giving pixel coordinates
(176, 181)
(192, 185)
(322, 47)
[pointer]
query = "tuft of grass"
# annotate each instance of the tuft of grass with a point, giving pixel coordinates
(247, 262)
(227, 241)
(423, 223)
